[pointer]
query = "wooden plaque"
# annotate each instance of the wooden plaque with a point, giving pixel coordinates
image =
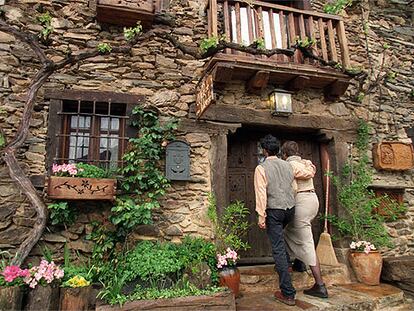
(205, 95)
(393, 156)
(75, 188)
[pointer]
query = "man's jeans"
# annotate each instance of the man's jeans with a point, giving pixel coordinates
(276, 220)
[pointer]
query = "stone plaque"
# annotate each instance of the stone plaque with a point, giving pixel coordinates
(177, 164)
(393, 156)
(205, 95)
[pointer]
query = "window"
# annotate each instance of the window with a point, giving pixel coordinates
(89, 127)
(92, 132)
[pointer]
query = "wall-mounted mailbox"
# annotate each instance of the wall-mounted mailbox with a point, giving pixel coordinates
(177, 164)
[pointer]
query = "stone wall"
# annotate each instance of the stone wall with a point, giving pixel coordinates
(168, 79)
(154, 69)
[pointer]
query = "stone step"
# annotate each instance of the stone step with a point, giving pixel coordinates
(348, 297)
(263, 277)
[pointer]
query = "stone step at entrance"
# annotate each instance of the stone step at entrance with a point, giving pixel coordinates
(348, 297)
(264, 278)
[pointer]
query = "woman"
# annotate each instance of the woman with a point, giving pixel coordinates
(298, 233)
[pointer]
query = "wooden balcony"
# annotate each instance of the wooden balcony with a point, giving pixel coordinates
(127, 12)
(244, 22)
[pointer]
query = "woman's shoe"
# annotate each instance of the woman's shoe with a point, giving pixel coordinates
(316, 290)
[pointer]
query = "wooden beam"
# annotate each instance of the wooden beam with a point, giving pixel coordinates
(336, 88)
(234, 114)
(298, 83)
(223, 73)
(121, 98)
(259, 81)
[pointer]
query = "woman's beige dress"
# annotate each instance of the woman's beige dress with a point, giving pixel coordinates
(298, 233)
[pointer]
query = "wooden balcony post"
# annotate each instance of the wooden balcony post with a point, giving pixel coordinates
(331, 39)
(213, 14)
(343, 43)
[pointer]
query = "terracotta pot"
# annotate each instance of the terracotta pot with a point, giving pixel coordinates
(230, 277)
(367, 267)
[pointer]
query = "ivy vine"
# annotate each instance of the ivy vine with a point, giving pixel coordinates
(143, 179)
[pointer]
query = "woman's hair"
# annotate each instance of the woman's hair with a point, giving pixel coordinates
(271, 144)
(290, 148)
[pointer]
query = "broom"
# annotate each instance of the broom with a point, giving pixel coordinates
(325, 250)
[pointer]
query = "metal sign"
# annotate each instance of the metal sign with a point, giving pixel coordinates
(205, 95)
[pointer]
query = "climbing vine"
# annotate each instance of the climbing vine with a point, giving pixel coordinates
(143, 179)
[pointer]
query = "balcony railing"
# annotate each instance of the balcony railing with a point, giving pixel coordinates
(279, 26)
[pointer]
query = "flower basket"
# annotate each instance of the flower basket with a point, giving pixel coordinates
(367, 266)
(79, 188)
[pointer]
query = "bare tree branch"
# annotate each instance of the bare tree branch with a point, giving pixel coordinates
(27, 38)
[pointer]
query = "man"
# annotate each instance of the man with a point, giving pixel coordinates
(275, 205)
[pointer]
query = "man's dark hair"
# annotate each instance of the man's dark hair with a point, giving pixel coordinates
(271, 144)
(290, 148)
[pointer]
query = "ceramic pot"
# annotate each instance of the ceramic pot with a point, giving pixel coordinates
(367, 267)
(230, 277)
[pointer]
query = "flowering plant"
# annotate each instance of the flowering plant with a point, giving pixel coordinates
(362, 246)
(13, 275)
(77, 281)
(227, 259)
(46, 272)
(64, 169)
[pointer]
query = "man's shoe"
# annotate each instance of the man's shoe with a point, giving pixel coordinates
(319, 291)
(290, 301)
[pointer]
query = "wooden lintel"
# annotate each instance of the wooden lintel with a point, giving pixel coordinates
(298, 83)
(223, 73)
(233, 114)
(259, 81)
(336, 88)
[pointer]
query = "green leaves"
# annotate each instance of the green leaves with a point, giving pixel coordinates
(157, 269)
(61, 213)
(336, 6)
(361, 220)
(45, 20)
(92, 171)
(306, 42)
(104, 48)
(232, 227)
(143, 178)
(131, 33)
(208, 43)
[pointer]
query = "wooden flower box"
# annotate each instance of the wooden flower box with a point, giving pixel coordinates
(76, 188)
(393, 156)
(127, 12)
(216, 302)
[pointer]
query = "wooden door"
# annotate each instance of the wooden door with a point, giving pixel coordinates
(242, 161)
(243, 157)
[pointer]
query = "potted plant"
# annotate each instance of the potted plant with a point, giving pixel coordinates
(45, 296)
(11, 283)
(229, 231)
(76, 288)
(80, 182)
(360, 223)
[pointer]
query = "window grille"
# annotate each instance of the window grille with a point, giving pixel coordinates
(92, 132)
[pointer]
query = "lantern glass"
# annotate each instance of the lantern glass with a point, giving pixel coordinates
(282, 102)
